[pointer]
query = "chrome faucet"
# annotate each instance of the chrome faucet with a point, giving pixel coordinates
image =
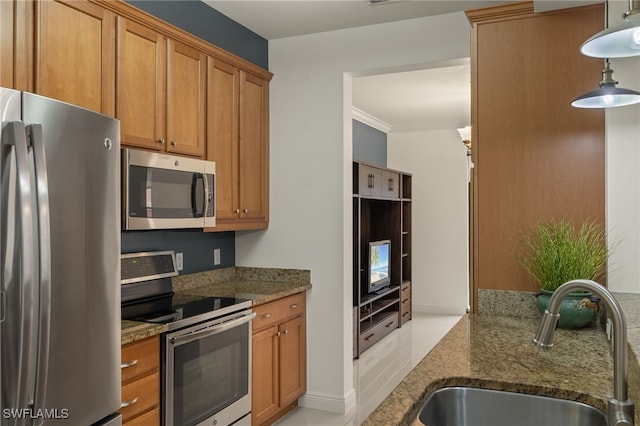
(620, 408)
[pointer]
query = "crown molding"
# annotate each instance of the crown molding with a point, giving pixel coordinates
(369, 120)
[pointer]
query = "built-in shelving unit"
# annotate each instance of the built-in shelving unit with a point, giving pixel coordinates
(381, 211)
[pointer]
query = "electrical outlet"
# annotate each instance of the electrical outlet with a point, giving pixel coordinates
(179, 260)
(216, 256)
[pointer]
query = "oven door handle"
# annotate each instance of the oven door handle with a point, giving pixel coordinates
(210, 330)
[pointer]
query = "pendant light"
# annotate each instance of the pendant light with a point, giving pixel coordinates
(608, 95)
(620, 41)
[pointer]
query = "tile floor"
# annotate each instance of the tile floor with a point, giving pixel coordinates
(377, 372)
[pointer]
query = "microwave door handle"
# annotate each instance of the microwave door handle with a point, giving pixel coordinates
(42, 191)
(16, 135)
(205, 194)
(194, 185)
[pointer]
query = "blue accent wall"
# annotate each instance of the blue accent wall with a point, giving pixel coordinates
(207, 23)
(369, 144)
(196, 246)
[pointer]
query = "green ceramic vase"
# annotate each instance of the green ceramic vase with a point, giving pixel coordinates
(576, 311)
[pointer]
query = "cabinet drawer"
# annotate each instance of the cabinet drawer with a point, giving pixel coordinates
(370, 181)
(151, 418)
(140, 395)
(140, 358)
(390, 185)
(275, 312)
(372, 335)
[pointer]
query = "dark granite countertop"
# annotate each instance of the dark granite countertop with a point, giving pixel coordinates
(132, 331)
(497, 353)
(261, 285)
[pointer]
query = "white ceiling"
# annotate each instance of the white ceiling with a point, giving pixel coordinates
(273, 19)
(432, 98)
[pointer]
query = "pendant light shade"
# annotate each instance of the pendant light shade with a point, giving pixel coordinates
(608, 95)
(620, 41)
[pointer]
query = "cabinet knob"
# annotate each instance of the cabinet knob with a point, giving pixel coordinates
(286, 331)
(278, 334)
(174, 143)
(266, 316)
(237, 211)
(245, 211)
(161, 141)
(295, 305)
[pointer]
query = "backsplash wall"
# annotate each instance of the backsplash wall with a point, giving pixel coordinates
(197, 246)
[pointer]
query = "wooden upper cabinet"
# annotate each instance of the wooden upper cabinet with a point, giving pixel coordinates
(140, 90)
(160, 92)
(222, 136)
(237, 140)
(186, 97)
(74, 53)
(253, 149)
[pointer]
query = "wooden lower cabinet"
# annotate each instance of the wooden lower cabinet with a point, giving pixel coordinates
(279, 366)
(141, 383)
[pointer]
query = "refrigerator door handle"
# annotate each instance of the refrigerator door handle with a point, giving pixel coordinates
(36, 140)
(16, 135)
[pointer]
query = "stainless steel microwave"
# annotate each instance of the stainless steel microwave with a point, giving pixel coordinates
(162, 191)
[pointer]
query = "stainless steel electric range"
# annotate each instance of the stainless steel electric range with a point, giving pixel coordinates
(206, 351)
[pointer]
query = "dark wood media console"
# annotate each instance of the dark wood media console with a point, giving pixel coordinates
(381, 211)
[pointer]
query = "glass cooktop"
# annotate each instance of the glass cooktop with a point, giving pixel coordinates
(178, 310)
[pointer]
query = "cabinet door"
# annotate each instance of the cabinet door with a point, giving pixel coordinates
(222, 136)
(140, 90)
(390, 184)
(15, 45)
(370, 181)
(74, 53)
(253, 149)
(264, 375)
(186, 96)
(293, 371)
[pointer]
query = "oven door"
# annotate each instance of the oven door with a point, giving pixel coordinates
(207, 372)
(165, 191)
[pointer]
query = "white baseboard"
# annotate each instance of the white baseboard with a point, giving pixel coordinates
(439, 309)
(329, 402)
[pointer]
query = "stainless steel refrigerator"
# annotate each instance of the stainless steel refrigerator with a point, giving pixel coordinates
(60, 269)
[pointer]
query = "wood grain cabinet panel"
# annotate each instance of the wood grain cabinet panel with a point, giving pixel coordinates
(253, 148)
(186, 97)
(160, 92)
(141, 382)
(535, 156)
(74, 53)
(237, 140)
(279, 365)
(222, 136)
(140, 90)
(16, 45)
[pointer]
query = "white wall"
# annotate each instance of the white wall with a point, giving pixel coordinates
(310, 222)
(623, 172)
(437, 160)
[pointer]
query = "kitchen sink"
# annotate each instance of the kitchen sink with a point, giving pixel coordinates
(461, 406)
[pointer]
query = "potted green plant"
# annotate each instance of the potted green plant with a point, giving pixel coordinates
(557, 252)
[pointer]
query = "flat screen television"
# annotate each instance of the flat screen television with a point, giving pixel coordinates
(379, 265)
